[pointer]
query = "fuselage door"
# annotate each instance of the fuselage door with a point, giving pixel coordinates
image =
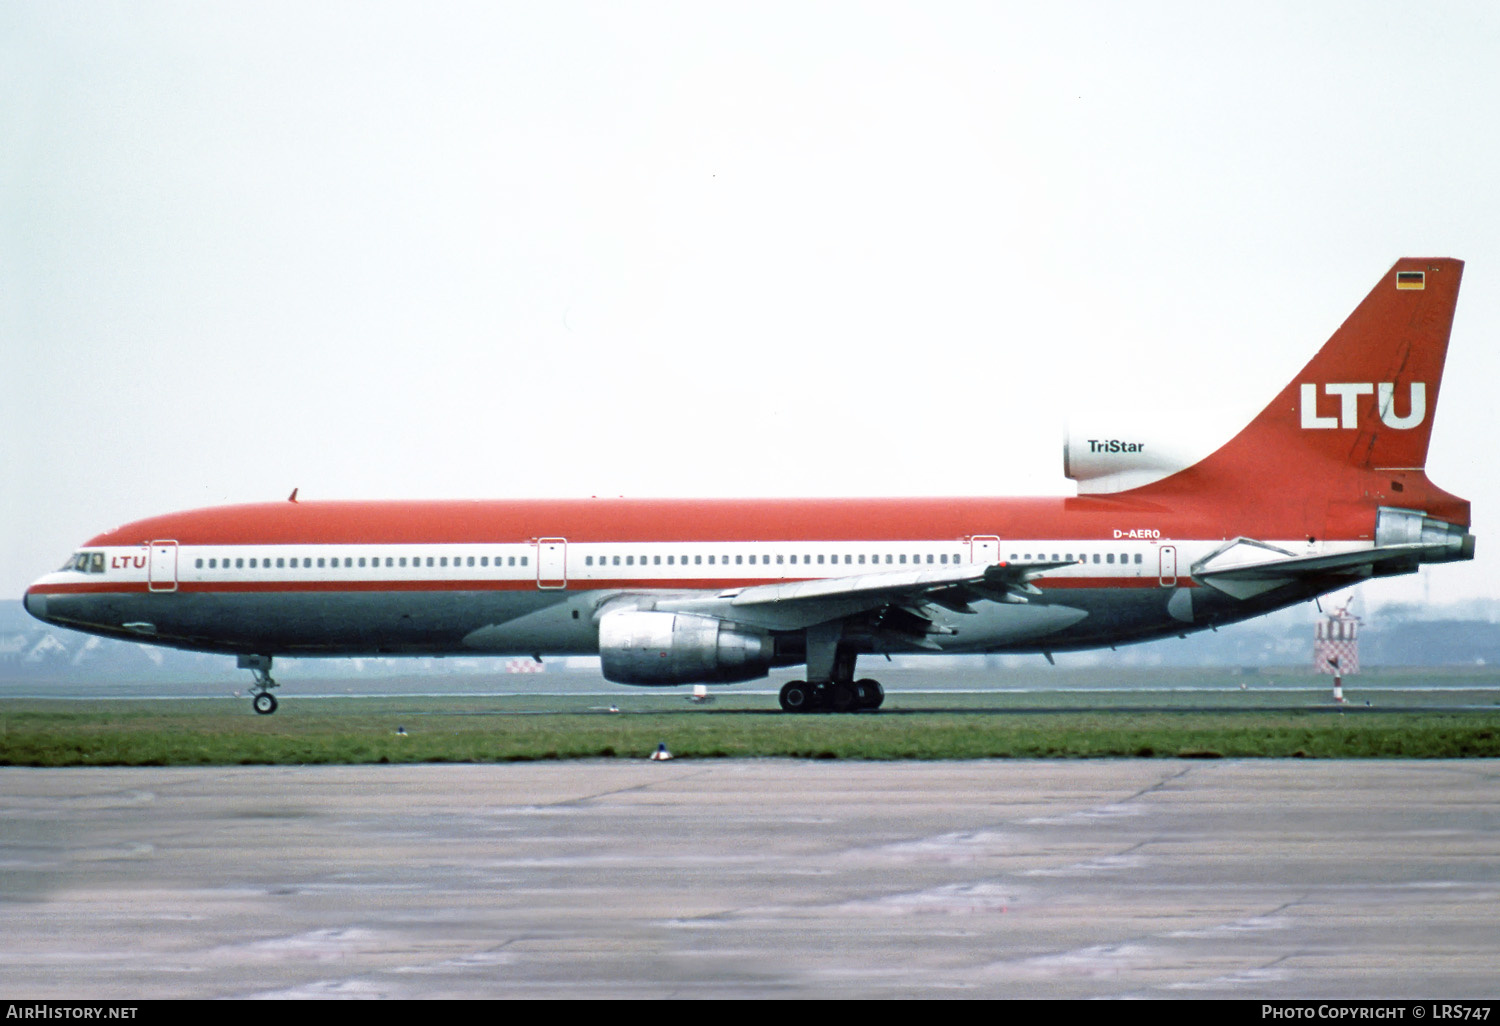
(552, 562)
(1168, 571)
(161, 572)
(984, 549)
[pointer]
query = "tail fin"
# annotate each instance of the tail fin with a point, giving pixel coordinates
(1362, 407)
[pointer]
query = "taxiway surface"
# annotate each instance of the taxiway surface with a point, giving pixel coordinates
(1155, 878)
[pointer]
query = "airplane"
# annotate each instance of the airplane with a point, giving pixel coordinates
(1323, 488)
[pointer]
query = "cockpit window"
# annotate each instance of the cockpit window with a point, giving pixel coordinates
(85, 562)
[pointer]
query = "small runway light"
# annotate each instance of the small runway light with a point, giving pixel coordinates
(661, 754)
(400, 731)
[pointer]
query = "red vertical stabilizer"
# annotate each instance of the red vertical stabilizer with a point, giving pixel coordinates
(1353, 426)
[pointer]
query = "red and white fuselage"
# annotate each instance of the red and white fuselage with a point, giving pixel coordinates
(1325, 486)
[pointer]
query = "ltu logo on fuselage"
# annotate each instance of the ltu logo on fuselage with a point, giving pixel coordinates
(1349, 393)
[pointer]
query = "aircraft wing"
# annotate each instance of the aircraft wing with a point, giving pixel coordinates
(799, 604)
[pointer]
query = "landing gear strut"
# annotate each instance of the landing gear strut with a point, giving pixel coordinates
(261, 700)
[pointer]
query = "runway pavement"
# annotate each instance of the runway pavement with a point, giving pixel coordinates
(1153, 878)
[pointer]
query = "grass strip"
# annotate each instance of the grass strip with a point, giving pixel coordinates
(364, 731)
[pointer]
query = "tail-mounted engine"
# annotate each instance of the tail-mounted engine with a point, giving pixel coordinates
(1444, 542)
(650, 647)
(1114, 458)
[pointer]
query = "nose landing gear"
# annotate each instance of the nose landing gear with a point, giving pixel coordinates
(261, 700)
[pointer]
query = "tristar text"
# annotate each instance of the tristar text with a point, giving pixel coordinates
(1348, 406)
(1115, 445)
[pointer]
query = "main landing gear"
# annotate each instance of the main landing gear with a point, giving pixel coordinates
(831, 685)
(834, 696)
(261, 699)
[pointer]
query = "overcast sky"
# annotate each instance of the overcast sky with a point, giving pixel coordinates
(562, 249)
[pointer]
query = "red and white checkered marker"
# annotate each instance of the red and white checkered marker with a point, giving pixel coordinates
(1336, 650)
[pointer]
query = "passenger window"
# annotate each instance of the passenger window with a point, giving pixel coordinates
(698, 560)
(1137, 559)
(524, 560)
(656, 561)
(1096, 557)
(630, 561)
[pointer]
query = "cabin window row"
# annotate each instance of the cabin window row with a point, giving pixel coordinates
(351, 562)
(94, 561)
(781, 559)
(1083, 557)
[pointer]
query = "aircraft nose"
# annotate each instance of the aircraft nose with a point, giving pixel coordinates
(35, 603)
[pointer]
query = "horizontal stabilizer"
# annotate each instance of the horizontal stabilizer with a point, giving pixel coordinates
(1230, 571)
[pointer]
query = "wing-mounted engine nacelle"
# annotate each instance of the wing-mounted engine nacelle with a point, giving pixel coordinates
(650, 647)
